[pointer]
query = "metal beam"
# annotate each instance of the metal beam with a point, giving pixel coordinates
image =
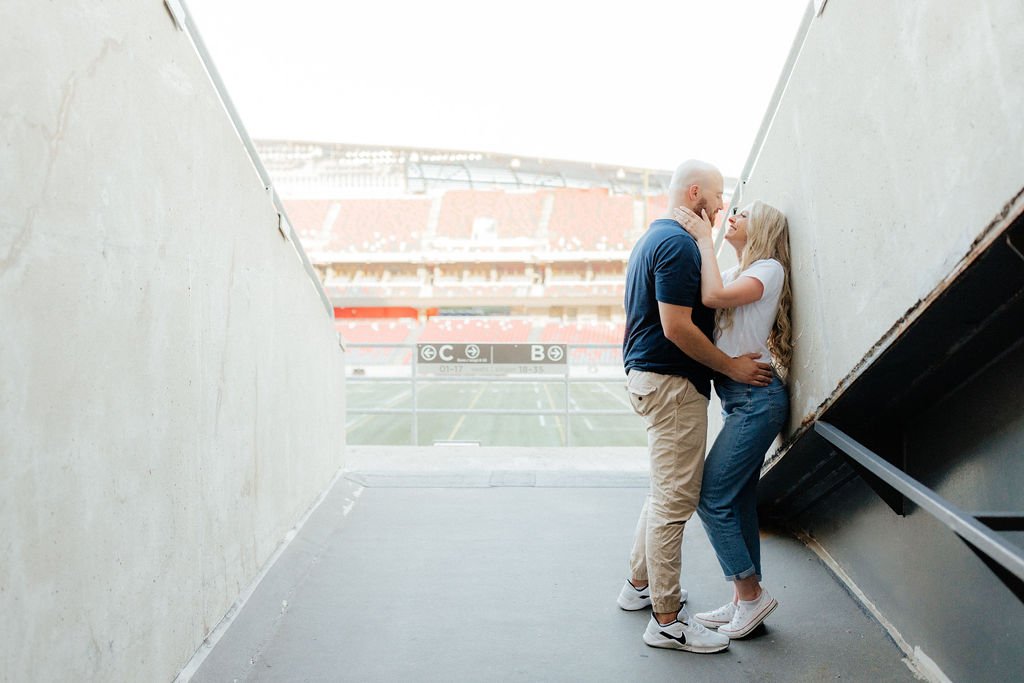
(183, 19)
(980, 538)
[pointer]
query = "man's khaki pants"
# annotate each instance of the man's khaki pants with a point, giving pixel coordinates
(676, 417)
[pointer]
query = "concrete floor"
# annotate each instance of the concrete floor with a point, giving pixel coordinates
(504, 565)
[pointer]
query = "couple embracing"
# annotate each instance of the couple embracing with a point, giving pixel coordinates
(687, 322)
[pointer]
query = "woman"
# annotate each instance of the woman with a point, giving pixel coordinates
(753, 301)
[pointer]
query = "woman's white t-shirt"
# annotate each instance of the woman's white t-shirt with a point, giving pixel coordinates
(752, 322)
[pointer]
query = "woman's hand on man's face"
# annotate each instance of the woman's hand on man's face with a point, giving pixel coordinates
(698, 226)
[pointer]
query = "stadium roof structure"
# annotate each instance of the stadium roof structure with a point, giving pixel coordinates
(326, 169)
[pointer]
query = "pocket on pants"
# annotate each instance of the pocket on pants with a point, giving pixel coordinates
(641, 388)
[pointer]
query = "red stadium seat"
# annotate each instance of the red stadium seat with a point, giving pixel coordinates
(588, 220)
(376, 332)
(514, 214)
(354, 225)
(452, 329)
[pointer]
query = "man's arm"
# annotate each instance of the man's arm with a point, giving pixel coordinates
(677, 325)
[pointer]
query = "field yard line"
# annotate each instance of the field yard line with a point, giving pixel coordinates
(462, 418)
(618, 396)
(558, 420)
(363, 418)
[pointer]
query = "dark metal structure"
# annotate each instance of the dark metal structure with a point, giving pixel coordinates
(928, 438)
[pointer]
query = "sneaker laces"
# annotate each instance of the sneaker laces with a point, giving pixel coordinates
(696, 627)
(728, 609)
(741, 614)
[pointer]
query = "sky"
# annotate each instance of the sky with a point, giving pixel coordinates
(645, 83)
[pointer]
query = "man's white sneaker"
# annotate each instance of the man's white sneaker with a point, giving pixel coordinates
(632, 599)
(749, 615)
(683, 634)
(716, 617)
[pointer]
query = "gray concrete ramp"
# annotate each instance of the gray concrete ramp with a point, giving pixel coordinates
(463, 582)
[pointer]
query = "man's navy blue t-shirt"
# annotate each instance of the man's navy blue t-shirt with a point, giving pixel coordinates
(664, 266)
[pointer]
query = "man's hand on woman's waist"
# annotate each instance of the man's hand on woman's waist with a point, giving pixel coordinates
(748, 370)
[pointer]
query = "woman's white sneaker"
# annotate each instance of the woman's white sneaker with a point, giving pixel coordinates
(716, 617)
(685, 635)
(749, 615)
(632, 598)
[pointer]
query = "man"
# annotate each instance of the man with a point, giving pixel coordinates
(669, 357)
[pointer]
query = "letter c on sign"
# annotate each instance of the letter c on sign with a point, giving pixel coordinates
(446, 352)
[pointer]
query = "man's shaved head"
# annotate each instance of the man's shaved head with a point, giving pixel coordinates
(696, 185)
(694, 172)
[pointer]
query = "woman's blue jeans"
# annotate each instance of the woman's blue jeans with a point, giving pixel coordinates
(728, 497)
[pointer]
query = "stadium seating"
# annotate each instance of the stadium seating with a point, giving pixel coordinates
(585, 289)
(590, 220)
(476, 330)
(360, 225)
(481, 290)
(309, 219)
(377, 332)
(657, 206)
(513, 214)
(597, 332)
(379, 225)
(475, 241)
(603, 332)
(372, 290)
(580, 220)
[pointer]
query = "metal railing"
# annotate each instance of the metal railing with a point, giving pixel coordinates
(813, 9)
(566, 379)
(183, 20)
(980, 531)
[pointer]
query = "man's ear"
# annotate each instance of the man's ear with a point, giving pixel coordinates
(693, 191)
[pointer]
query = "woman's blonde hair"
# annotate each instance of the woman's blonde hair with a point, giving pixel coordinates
(768, 237)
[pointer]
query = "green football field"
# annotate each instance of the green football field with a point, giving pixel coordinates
(491, 429)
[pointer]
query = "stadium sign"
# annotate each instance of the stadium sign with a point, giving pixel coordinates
(491, 359)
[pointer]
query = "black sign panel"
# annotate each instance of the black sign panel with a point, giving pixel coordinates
(484, 358)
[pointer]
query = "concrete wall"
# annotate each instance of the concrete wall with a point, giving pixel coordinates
(897, 141)
(171, 389)
(895, 152)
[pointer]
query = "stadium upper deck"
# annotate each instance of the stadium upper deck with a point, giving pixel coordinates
(316, 170)
(390, 226)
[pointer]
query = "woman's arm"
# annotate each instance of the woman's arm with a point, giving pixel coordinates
(713, 293)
